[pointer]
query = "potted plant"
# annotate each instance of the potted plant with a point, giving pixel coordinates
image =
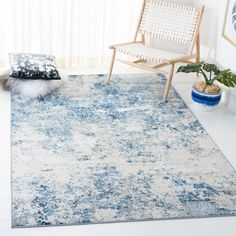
(207, 92)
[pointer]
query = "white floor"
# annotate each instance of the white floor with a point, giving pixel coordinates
(220, 124)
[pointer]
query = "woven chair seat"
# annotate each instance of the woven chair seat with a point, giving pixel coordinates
(141, 51)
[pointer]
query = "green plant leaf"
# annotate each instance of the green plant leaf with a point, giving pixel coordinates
(227, 78)
(191, 68)
(211, 68)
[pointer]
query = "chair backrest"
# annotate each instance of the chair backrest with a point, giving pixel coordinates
(170, 21)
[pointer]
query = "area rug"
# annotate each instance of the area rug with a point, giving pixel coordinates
(91, 153)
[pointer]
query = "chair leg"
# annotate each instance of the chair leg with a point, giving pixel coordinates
(111, 67)
(198, 50)
(168, 83)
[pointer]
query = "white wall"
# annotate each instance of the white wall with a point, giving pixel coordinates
(225, 51)
(209, 29)
(214, 46)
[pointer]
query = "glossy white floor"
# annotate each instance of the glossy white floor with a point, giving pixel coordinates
(220, 124)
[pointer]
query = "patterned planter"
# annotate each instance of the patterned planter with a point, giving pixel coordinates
(207, 100)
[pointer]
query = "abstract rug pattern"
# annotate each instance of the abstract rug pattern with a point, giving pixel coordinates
(91, 153)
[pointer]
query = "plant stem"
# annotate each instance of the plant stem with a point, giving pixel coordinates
(209, 82)
(204, 75)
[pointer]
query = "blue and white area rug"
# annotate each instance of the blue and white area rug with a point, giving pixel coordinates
(89, 153)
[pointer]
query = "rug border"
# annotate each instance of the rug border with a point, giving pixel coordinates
(129, 221)
(126, 221)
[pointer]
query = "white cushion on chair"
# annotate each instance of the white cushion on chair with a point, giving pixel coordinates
(141, 51)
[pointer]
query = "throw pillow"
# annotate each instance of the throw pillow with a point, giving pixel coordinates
(33, 66)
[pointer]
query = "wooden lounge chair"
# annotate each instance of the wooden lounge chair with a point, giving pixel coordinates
(165, 21)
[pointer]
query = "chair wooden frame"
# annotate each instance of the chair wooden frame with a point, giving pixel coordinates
(194, 43)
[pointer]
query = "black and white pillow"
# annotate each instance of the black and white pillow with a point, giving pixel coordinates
(33, 66)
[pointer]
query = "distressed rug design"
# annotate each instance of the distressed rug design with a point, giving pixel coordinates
(91, 153)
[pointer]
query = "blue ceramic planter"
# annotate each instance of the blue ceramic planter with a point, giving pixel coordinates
(209, 100)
